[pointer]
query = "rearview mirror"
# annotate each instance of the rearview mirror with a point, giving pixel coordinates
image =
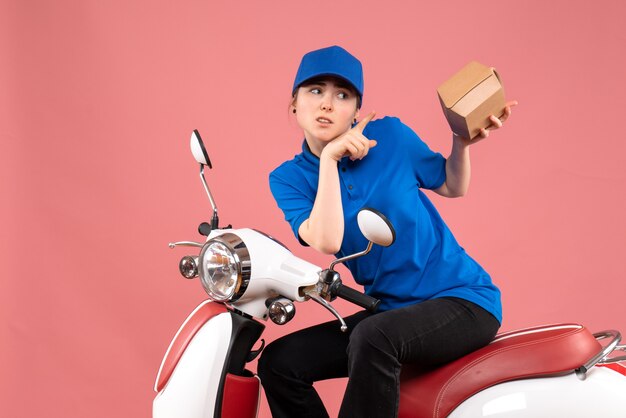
(199, 153)
(198, 150)
(376, 227)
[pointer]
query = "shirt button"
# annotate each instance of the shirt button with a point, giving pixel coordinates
(350, 187)
(343, 169)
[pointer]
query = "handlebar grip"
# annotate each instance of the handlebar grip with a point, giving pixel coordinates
(356, 297)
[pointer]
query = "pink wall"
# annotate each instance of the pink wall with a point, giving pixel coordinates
(97, 100)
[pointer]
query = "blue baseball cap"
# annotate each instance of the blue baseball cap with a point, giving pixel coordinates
(332, 61)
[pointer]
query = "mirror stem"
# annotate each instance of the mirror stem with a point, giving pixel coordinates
(350, 257)
(214, 221)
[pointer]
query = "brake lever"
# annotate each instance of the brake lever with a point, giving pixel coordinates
(312, 294)
(185, 244)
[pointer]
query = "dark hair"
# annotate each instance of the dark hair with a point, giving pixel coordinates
(339, 81)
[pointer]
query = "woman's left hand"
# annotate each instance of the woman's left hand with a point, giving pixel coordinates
(496, 123)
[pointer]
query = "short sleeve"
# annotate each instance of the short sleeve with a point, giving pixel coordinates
(294, 202)
(429, 166)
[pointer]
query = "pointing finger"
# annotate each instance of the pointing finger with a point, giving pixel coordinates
(363, 123)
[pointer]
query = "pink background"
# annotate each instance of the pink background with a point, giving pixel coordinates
(97, 101)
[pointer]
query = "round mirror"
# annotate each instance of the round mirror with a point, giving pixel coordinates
(198, 150)
(376, 227)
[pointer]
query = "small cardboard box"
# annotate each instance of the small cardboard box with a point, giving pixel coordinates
(470, 97)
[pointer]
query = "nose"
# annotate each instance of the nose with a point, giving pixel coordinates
(327, 104)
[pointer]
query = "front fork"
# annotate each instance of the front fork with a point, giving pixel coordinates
(239, 388)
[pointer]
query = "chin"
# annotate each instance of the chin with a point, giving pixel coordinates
(327, 136)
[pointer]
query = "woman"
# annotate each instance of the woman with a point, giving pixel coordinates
(437, 303)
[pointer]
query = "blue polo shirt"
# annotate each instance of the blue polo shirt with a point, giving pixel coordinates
(425, 262)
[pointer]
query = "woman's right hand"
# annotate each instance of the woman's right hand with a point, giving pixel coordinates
(353, 143)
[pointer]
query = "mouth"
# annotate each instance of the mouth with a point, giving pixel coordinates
(324, 121)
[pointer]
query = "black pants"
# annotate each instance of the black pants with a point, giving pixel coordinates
(371, 353)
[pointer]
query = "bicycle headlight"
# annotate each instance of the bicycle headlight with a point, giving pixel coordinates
(224, 267)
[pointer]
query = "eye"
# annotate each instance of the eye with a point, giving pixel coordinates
(315, 90)
(343, 95)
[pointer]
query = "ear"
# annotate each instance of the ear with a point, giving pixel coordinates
(356, 114)
(292, 104)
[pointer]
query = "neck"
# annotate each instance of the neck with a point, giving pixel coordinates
(316, 147)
